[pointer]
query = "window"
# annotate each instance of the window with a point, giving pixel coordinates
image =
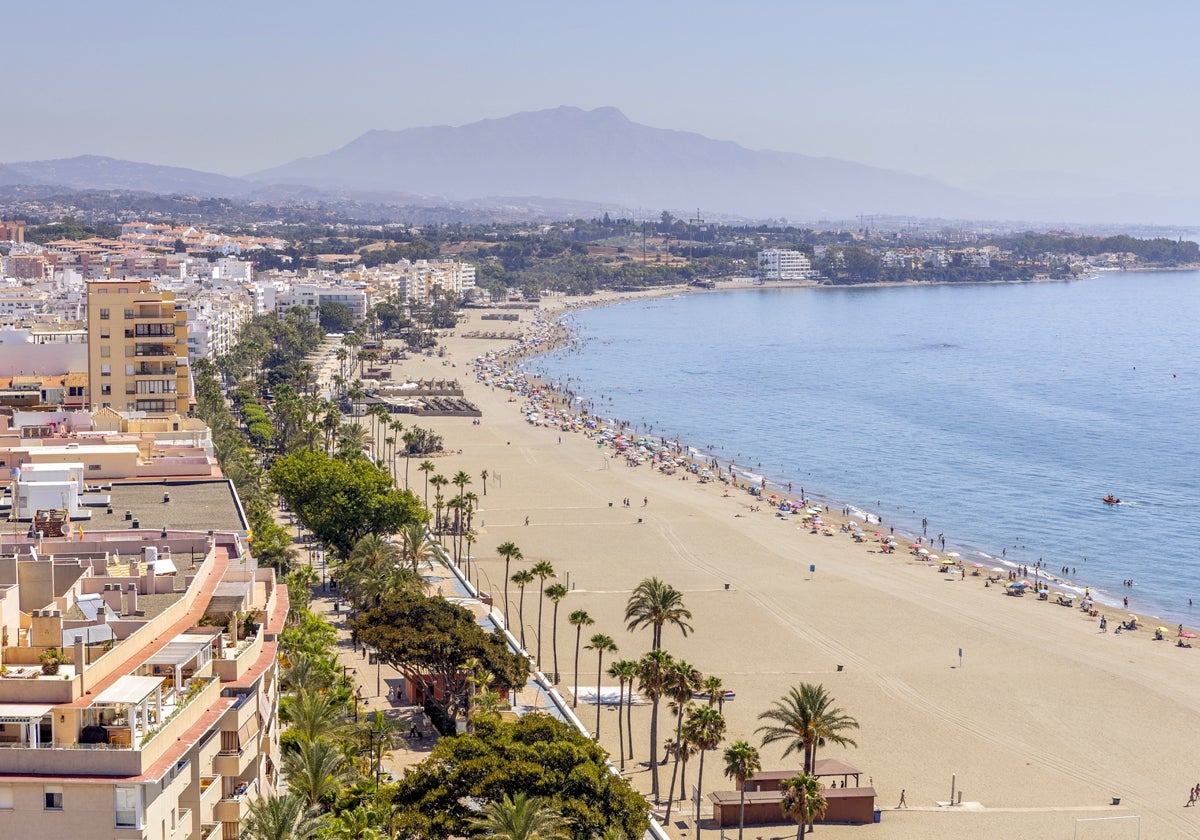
(125, 807)
(6, 798)
(53, 798)
(106, 390)
(129, 313)
(105, 351)
(103, 314)
(104, 332)
(93, 467)
(105, 370)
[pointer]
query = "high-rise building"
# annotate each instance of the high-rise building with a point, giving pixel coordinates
(782, 264)
(137, 348)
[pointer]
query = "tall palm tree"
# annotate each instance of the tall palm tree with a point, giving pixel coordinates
(685, 749)
(741, 763)
(522, 818)
(653, 604)
(426, 467)
(521, 578)
(353, 441)
(543, 570)
(279, 818)
(617, 672)
(578, 619)
(461, 480)
(510, 552)
(803, 800)
(682, 680)
(314, 771)
(652, 675)
(629, 669)
(705, 728)
(555, 592)
(602, 644)
(803, 719)
(484, 475)
(377, 734)
(438, 481)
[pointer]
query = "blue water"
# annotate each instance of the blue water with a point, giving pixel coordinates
(1001, 413)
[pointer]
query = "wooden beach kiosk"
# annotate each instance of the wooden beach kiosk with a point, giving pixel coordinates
(847, 805)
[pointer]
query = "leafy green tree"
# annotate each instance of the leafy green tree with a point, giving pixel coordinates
(653, 604)
(535, 755)
(336, 317)
(804, 719)
(741, 763)
(432, 640)
(340, 501)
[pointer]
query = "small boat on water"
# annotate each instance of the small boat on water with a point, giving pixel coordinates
(1110, 499)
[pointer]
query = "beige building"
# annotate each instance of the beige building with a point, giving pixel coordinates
(160, 722)
(137, 348)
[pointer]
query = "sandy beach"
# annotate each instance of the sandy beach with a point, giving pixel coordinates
(1043, 721)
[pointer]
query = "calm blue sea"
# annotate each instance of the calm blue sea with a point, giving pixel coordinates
(1000, 413)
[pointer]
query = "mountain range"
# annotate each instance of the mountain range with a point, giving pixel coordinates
(566, 160)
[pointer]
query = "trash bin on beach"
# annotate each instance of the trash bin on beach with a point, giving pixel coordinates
(1116, 800)
(878, 815)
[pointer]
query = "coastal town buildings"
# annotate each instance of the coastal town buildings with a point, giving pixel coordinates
(137, 348)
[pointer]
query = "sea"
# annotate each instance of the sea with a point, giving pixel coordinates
(995, 415)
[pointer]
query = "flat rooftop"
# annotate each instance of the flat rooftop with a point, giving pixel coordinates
(200, 505)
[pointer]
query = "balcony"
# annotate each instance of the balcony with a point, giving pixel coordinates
(231, 809)
(155, 350)
(211, 831)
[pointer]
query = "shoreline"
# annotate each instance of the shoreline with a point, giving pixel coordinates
(911, 529)
(1009, 723)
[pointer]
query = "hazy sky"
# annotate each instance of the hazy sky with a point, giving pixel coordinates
(963, 91)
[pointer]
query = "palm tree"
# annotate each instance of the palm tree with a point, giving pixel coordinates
(417, 547)
(804, 719)
(510, 552)
(685, 749)
(521, 577)
(705, 728)
(353, 441)
(278, 818)
(522, 818)
(579, 619)
(484, 475)
(312, 714)
(555, 592)
(461, 480)
(378, 733)
(617, 672)
(652, 674)
(628, 668)
(741, 763)
(655, 603)
(803, 800)
(543, 570)
(314, 771)
(359, 823)
(438, 481)
(426, 467)
(602, 644)
(715, 690)
(682, 680)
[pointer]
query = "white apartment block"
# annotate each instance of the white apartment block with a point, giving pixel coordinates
(160, 722)
(415, 281)
(214, 321)
(228, 268)
(314, 295)
(782, 264)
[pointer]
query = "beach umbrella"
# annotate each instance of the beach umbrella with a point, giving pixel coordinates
(978, 565)
(997, 569)
(922, 551)
(952, 554)
(1162, 629)
(935, 557)
(943, 562)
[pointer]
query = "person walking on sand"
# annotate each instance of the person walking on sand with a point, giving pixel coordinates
(1191, 798)
(901, 803)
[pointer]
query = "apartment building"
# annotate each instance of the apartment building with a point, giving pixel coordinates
(782, 264)
(214, 320)
(316, 295)
(138, 678)
(12, 231)
(137, 348)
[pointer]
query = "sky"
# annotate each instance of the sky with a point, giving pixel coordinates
(971, 93)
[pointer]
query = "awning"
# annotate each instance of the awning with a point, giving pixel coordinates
(181, 650)
(23, 712)
(129, 690)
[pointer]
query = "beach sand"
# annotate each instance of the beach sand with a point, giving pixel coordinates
(1045, 721)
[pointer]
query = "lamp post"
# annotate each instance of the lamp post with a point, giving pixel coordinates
(485, 575)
